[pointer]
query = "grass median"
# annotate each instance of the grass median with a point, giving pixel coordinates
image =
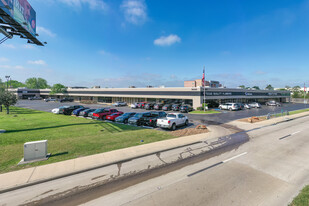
(298, 111)
(68, 137)
(206, 112)
(302, 198)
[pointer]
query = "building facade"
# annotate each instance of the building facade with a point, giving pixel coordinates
(193, 95)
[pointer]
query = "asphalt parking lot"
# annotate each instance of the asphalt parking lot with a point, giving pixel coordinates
(219, 118)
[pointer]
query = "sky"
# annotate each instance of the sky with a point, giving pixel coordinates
(121, 43)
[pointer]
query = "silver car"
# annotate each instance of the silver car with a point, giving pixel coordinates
(255, 105)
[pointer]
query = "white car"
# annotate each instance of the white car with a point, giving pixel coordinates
(173, 120)
(247, 106)
(255, 105)
(118, 104)
(230, 106)
(134, 106)
(56, 110)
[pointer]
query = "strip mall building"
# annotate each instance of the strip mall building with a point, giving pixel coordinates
(188, 95)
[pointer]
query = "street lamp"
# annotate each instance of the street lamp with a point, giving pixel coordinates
(7, 81)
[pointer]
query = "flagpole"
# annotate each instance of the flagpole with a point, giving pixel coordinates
(204, 90)
(305, 94)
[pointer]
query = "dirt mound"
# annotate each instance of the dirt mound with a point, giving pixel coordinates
(188, 131)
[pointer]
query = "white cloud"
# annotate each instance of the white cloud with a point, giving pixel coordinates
(28, 46)
(43, 30)
(135, 11)
(3, 59)
(9, 46)
(93, 4)
(103, 52)
(167, 40)
(17, 67)
(37, 62)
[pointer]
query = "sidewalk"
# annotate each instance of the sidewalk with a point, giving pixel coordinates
(248, 126)
(17, 179)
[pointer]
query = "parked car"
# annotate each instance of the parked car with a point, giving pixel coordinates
(77, 111)
(103, 113)
(66, 100)
(142, 104)
(176, 107)
(69, 110)
(125, 117)
(241, 105)
(138, 118)
(230, 106)
(134, 105)
(149, 106)
(186, 109)
(247, 106)
(273, 103)
(119, 104)
(86, 112)
(152, 120)
(212, 104)
(35, 98)
(50, 99)
(255, 105)
(173, 120)
(167, 107)
(158, 106)
(57, 110)
(113, 116)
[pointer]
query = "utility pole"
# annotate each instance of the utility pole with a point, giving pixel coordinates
(7, 82)
(204, 88)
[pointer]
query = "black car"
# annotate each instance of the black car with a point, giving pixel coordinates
(85, 112)
(176, 107)
(167, 107)
(125, 117)
(149, 106)
(158, 106)
(66, 100)
(69, 110)
(186, 108)
(138, 118)
(152, 120)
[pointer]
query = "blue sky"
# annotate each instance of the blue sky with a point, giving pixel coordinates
(115, 43)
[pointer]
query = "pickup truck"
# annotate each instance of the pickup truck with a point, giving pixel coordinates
(152, 120)
(173, 120)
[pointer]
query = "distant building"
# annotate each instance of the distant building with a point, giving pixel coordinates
(199, 83)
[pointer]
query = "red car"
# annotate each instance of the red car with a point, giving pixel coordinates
(142, 104)
(103, 113)
(113, 116)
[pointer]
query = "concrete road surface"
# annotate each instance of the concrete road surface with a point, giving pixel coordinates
(268, 170)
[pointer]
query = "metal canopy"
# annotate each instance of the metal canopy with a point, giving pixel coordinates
(8, 24)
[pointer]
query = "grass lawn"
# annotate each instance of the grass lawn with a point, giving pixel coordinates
(68, 137)
(298, 111)
(302, 198)
(206, 112)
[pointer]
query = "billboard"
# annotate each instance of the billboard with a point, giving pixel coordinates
(22, 12)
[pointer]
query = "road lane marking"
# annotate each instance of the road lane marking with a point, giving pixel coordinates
(289, 135)
(216, 164)
(235, 157)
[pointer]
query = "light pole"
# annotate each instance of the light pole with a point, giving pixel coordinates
(7, 82)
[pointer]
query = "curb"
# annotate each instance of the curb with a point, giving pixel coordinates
(91, 168)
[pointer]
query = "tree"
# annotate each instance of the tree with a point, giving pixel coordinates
(7, 99)
(269, 87)
(58, 88)
(256, 87)
(242, 86)
(287, 87)
(16, 84)
(36, 83)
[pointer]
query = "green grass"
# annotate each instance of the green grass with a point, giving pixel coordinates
(68, 137)
(298, 111)
(206, 112)
(302, 198)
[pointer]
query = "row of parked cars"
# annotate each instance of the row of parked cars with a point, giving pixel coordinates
(152, 119)
(239, 106)
(160, 106)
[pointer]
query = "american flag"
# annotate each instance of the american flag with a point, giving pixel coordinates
(203, 79)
